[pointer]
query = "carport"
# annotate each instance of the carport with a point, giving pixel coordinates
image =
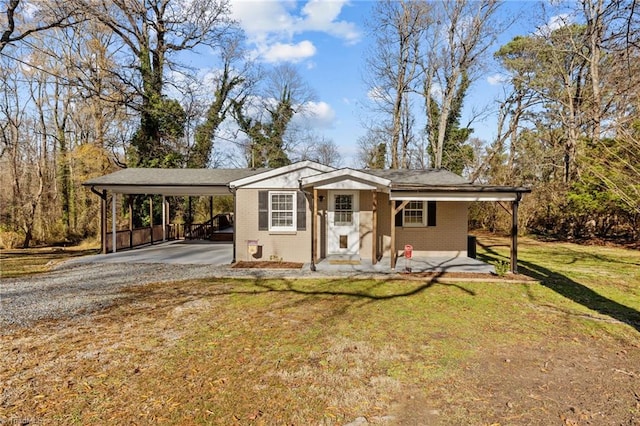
(151, 182)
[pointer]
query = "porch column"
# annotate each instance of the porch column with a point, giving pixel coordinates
(314, 230)
(151, 216)
(393, 234)
(514, 234)
(103, 221)
(374, 233)
(114, 236)
(164, 218)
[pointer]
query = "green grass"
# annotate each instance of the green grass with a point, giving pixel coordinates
(326, 351)
(23, 262)
(599, 281)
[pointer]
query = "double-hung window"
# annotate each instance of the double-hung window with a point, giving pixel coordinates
(414, 214)
(343, 215)
(282, 211)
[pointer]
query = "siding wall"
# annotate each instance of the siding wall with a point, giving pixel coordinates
(293, 246)
(447, 238)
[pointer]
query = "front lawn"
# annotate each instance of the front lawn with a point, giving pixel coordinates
(565, 350)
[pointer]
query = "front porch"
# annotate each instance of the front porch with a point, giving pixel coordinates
(342, 263)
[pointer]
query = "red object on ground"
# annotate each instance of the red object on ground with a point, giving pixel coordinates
(408, 251)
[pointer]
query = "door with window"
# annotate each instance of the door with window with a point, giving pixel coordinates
(343, 236)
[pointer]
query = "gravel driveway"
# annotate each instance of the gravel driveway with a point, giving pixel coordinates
(73, 289)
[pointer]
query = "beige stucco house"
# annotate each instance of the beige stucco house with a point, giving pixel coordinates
(308, 212)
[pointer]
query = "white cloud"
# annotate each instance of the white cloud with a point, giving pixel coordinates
(496, 79)
(321, 15)
(554, 23)
(273, 25)
(278, 52)
(318, 115)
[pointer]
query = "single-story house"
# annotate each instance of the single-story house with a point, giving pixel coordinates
(306, 211)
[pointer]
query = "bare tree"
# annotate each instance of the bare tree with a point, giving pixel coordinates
(392, 65)
(44, 15)
(456, 45)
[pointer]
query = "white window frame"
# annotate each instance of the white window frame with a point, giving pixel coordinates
(294, 211)
(424, 215)
(337, 212)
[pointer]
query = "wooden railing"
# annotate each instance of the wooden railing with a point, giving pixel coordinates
(205, 231)
(141, 236)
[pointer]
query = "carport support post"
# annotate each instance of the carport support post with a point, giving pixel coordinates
(114, 236)
(151, 216)
(514, 234)
(103, 221)
(164, 218)
(130, 203)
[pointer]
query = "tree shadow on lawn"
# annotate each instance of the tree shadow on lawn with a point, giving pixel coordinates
(332, 288)
(571, 289)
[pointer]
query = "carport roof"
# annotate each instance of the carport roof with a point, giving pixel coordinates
(170, 181)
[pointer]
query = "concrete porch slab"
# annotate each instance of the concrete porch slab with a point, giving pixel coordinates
(417, 264)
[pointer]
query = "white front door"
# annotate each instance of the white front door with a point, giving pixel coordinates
(343, 224)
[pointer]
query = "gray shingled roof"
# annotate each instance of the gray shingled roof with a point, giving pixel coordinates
(402, 179)
(431, 177)
(172, 177)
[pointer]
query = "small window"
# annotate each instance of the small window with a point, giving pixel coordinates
(343, 211)
(414, 214)
(282, 211)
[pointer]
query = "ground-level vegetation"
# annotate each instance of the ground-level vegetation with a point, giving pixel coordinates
(561, 350)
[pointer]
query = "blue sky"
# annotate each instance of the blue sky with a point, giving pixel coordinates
(326, 40)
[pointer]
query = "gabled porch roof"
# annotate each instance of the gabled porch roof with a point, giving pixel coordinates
(346, 179)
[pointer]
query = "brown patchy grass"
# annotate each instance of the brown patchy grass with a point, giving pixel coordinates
(21, 262)
(327, 351)
(266, 264)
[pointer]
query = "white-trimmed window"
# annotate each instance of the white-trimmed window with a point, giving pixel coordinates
(414, 214)
(282, 211)
(343, 211)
